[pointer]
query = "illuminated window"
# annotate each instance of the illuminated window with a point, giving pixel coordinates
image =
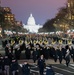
(5, 18)
(11, 18)
(8, 18)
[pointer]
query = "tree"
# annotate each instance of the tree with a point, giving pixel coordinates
(48, 26)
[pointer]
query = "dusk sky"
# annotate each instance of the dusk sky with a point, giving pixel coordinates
(42, 10)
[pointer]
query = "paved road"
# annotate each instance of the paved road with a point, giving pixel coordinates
(60, 69)
(34, 70)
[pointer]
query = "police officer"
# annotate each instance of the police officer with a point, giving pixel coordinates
(26, 68)
(41, 64)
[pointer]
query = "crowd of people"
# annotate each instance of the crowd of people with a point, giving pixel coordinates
(37, 48)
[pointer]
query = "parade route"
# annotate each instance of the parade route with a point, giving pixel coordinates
(59, 69)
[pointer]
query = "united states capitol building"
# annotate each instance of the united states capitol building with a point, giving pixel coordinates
(31, 25)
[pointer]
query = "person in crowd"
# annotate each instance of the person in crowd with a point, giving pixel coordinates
(28, 52)
(41, 64)
(59, 54)
(6, 50)
(12, 46)
(22, 46)
(67, 56)
(50, 71)
(51, 49)
(18, 53)
(55, 55)
(34, 54)
(26, 68)
(14, 67)
(73, 54)
(1, 65)
(16, 49)
(47, 52)
(38, 51)
(63, 49)
(10, 55)
(6, 65)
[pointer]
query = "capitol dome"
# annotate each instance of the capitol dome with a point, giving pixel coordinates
(31, 25)
(31, 20)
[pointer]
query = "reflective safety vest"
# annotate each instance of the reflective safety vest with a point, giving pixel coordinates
(46, 42)
(53, 42)
(69, 42)
(20, 41)
(60, 41)
(12, 42)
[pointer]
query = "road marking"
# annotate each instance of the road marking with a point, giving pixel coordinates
(20, 65)
(70, 66)
(58, 74)
(38, 70)
(34, 71)
(63, 70)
